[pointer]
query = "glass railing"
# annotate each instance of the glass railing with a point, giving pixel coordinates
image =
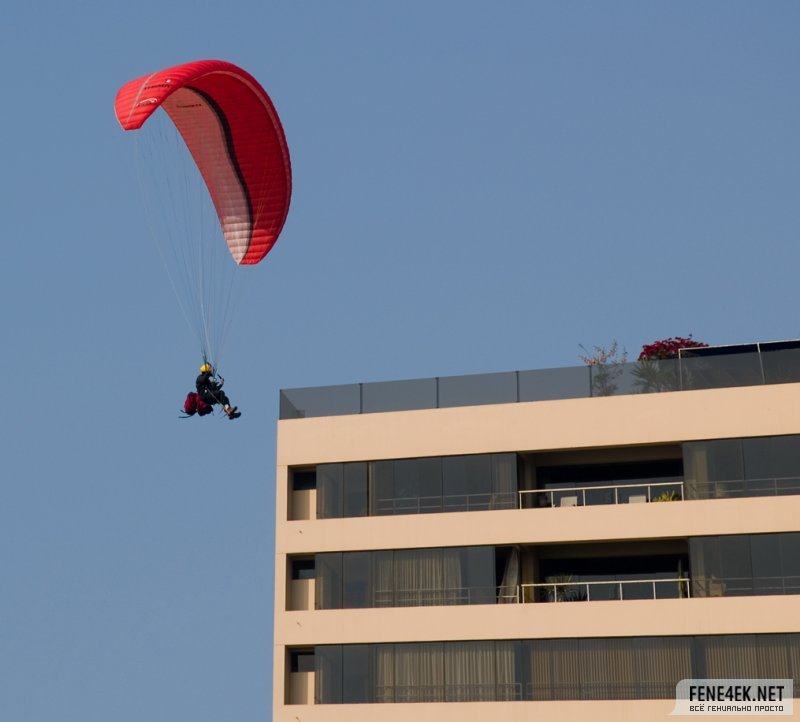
(712, 586)
(446, 597)
(630, 492)
(676, 588)
(736, 488)
(768, 363)
(446, 502)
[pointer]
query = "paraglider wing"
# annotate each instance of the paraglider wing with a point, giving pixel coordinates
(234, 135)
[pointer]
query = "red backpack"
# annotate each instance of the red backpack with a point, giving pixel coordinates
(195, 405)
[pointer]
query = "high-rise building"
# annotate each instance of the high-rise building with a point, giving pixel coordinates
(562, 544)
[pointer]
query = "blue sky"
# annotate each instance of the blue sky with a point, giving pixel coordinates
(478, 187)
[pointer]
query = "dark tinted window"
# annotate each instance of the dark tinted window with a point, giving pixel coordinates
(467, 482)
(330, 488)
(790, 555)
(546, 669)
(745, 564)
(355, 490)
(357, 683)
(734, 556)
(381, 490)
(304, 480)
(301, 660)
(328, 587)
(328, 674)
(357, 589)
(478, 574)
(303, 568)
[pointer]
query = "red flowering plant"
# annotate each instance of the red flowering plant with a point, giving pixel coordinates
(668, 347)
(655, 370)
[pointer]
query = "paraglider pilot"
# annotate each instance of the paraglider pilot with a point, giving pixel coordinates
(210, 391)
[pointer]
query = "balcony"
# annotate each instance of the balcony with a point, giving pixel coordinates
(676, 588)
(456, 576)
(707, 368)
(593, 494)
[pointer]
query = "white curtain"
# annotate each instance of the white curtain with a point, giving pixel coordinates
(452, 591)
(418, 577)
(508, 686)
(383, 579)
(661, 664)
(328, 674)
(747, 656)
(470, 671)
(510, 582)
(555, 669)
(504, 481)
(419, 672)
(383, 661)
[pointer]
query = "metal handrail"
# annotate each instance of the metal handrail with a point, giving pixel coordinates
(445, 502)
(444, 596)
(786, 584)
(729, 485)
(554, 586)
(615, 487)
(450, 692)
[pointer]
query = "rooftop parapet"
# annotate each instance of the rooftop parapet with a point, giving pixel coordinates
(774, 362)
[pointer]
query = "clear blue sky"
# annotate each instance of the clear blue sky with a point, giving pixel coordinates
(478, 187)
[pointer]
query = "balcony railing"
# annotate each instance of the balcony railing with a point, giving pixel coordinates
(751, 365)
(678, 587)
(745, 586)
(597, 495)
(733, 488)
(446, 597)
(568, 591)
(445, 502)
(476, 692)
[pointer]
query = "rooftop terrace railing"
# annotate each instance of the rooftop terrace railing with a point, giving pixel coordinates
(751, 365)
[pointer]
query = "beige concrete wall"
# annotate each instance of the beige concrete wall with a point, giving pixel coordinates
(301, 688)
(303, 504)
(667, 418)
(601, 711)
(543, 526)
(543, 425)
(301, 595)
(630, 618)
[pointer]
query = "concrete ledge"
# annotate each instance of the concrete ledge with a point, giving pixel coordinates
(754, 515)
(596, 711)
(633, 618)
(543, 425)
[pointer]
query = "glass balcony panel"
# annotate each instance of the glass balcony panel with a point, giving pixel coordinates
(714, 372)
(399, 395)
(320, 401)
(781, 366)
(632, 589)
(635, 378)
(548, 384)
(478, 389)
(698, 369)
(671, 589)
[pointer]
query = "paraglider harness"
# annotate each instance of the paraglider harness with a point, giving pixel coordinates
(195, 403)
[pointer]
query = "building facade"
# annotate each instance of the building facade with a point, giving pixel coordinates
(559, 544)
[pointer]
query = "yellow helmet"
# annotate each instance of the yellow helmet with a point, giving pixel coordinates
(206, 368)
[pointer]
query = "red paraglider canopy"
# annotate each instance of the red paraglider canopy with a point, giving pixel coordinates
(234, 135)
